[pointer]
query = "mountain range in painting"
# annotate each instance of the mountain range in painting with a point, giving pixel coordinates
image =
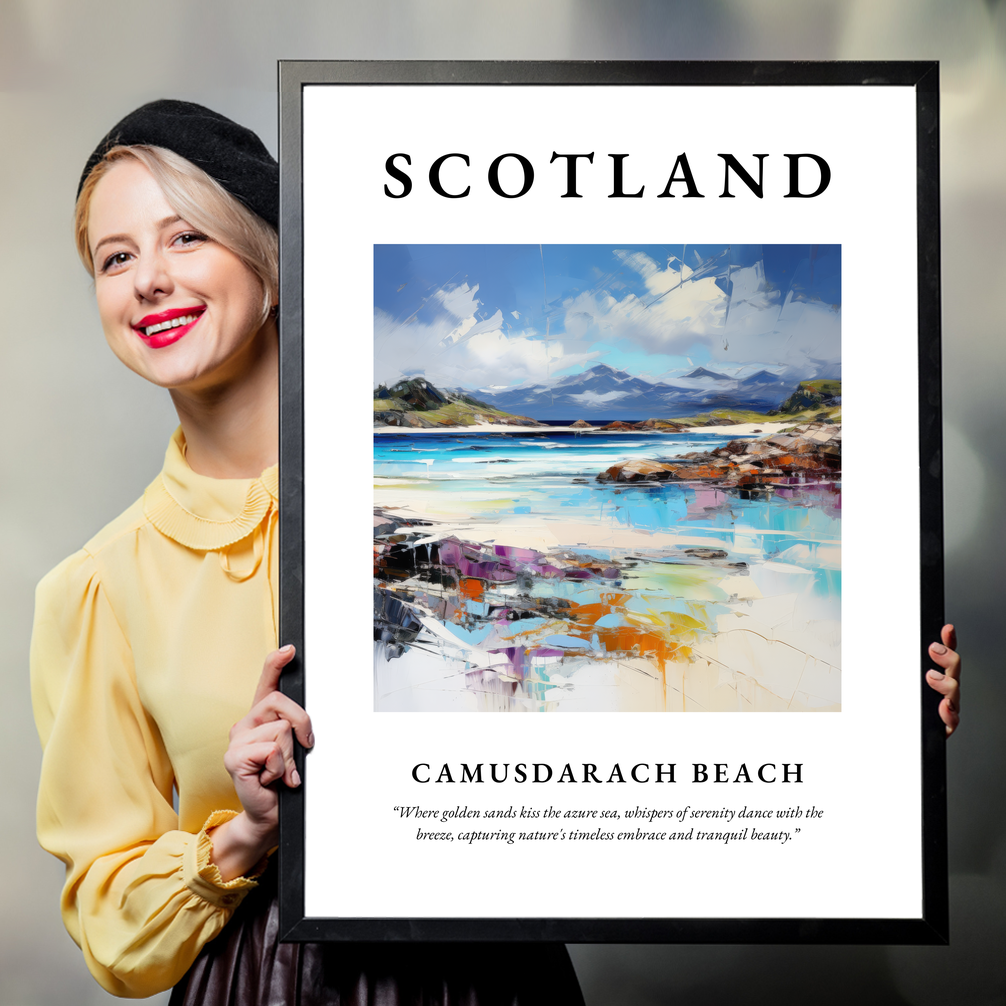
(603, 392)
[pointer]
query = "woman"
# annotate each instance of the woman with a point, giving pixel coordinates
(148, 643)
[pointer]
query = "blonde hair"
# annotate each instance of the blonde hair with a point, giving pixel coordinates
(199, 200)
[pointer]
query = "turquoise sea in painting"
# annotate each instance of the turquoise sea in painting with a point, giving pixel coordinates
(553, 475)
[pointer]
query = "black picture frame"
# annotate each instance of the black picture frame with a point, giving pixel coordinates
(932, 925)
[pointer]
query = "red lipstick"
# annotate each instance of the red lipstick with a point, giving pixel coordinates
(165, 333)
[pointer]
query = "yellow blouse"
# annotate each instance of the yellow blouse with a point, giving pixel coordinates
(147, 647)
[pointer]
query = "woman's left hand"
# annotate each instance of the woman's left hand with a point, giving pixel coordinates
(948, 681)
(260, 754)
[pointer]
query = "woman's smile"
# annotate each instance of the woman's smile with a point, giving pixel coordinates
(159, 330)
(166, 327)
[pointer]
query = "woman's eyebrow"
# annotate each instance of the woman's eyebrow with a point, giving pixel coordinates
(160, 225)
(109, 240)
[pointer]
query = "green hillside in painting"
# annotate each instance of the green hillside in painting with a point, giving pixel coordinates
(417, 403)
(819, 400)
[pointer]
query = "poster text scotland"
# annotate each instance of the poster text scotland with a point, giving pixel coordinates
(748, 174)
(607, 478)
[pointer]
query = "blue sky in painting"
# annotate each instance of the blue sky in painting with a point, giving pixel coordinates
(504, 315)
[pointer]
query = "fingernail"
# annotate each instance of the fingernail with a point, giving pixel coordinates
(936, 675)
(310, 740)
(938, 648)
(295, 777)
(287, 649)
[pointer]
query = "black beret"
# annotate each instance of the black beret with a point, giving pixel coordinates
(230, 154)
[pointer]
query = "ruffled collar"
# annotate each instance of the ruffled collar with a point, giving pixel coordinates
(203, 513)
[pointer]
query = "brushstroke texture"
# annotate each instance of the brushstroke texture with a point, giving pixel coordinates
(606, 538)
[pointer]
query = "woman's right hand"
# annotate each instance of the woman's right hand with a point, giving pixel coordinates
(259, 754)
(948, 681)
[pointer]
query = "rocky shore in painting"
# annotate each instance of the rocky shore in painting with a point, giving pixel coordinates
(811, 451)
(516, 614)
(666, 425)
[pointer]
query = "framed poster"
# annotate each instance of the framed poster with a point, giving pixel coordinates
(575, 531)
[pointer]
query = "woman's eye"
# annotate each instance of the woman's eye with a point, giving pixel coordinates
(190, 238)
(114, 261)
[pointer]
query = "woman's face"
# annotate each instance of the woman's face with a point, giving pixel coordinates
(177, 308)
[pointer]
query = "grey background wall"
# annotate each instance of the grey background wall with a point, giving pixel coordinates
(81, 437)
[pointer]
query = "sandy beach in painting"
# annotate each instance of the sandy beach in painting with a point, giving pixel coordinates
(733, 429)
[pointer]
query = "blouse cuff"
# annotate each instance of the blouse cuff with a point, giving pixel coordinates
(202, 876)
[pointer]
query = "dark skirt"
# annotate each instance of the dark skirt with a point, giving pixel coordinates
(246, 965)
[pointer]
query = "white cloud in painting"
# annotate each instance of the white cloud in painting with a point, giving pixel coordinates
(458, 349)
(460, 301)
(595, 398)
(470, 328)
(684, 308)
(488, 355)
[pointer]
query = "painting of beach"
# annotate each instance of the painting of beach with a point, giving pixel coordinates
(607, 478)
